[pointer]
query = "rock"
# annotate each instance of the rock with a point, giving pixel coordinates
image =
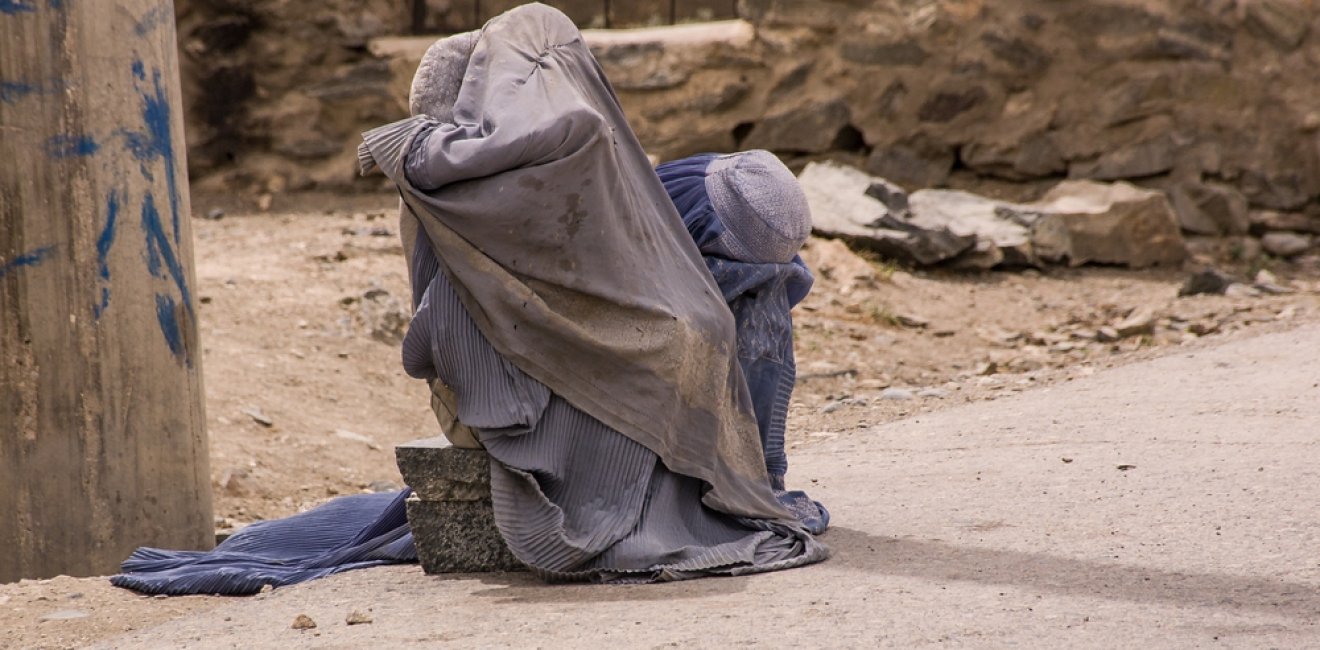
(382, 486)
(1239, 290)
(841, 208)
(302, 622)
(1267, 283)
(868, 51)
(986, 369)
(1139, 322)
(833, 406)
(914, 322)
(64, 615)
(1137, 160)
(896, 394)
(1209, 281)
(1281, 22)
(934, 393)
(358, 618)
(1107, 334)
(1210, 209)
(1118, 223)
(965, 214)
(237, 481)
(1286, 244)
(356, 437)
(384, 315)
(1264, 221)
(918, 163)
(946, 105)
(1020, 158)
(258, 416)
(893, 196)
(435, 470)
(1024, 57)
(215, 214)
(832, 260)
(810, 129)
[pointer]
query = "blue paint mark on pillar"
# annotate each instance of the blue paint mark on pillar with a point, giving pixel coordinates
(161, 251)
(150, 21)
(11, 7)
(70, 145)
(154, 143)
(103, 244)
(30, 258)
(169, 324)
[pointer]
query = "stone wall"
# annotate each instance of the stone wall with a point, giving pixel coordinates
(1208, 98)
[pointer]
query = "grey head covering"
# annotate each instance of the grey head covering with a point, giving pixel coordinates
(761, 204)
(440, 75)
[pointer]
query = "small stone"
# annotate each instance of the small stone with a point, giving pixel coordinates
(215, 214)
(1239, 290)
(258, 416)
(1286, 244)
(356, 437)
(64, 615)
(832, 406)
(1209, 281)
(358, 618)
(1106, 334)
(264, 201)
(303, 622)
(1126, 467)
(986, 369)
(1140, 321)
(896, 394)
(915, 322)
(382, 486)
(934, 393)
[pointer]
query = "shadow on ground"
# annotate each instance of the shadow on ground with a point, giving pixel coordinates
(940, 561)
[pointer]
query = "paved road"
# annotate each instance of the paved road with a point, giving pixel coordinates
(1005, 523)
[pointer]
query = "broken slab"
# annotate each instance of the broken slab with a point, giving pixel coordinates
(450, 512)
(841, 208)
(439, 471)
(1002, 230)
(1106, 223)
(458, 537)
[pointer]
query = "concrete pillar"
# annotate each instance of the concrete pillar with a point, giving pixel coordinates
(102, 430)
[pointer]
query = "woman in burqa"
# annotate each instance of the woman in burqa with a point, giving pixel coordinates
(587, 348)
(618, 341)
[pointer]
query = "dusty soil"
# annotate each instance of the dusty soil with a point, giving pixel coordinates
(303, 306)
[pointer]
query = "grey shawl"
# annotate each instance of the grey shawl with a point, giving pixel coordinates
(566, 251)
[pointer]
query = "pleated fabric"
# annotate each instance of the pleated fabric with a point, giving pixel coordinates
(351, 532)
(574, 499)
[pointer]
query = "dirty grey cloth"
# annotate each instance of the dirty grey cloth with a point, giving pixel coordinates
(574, 499)
(566, 252)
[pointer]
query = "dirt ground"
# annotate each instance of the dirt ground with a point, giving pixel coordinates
(302, 308)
